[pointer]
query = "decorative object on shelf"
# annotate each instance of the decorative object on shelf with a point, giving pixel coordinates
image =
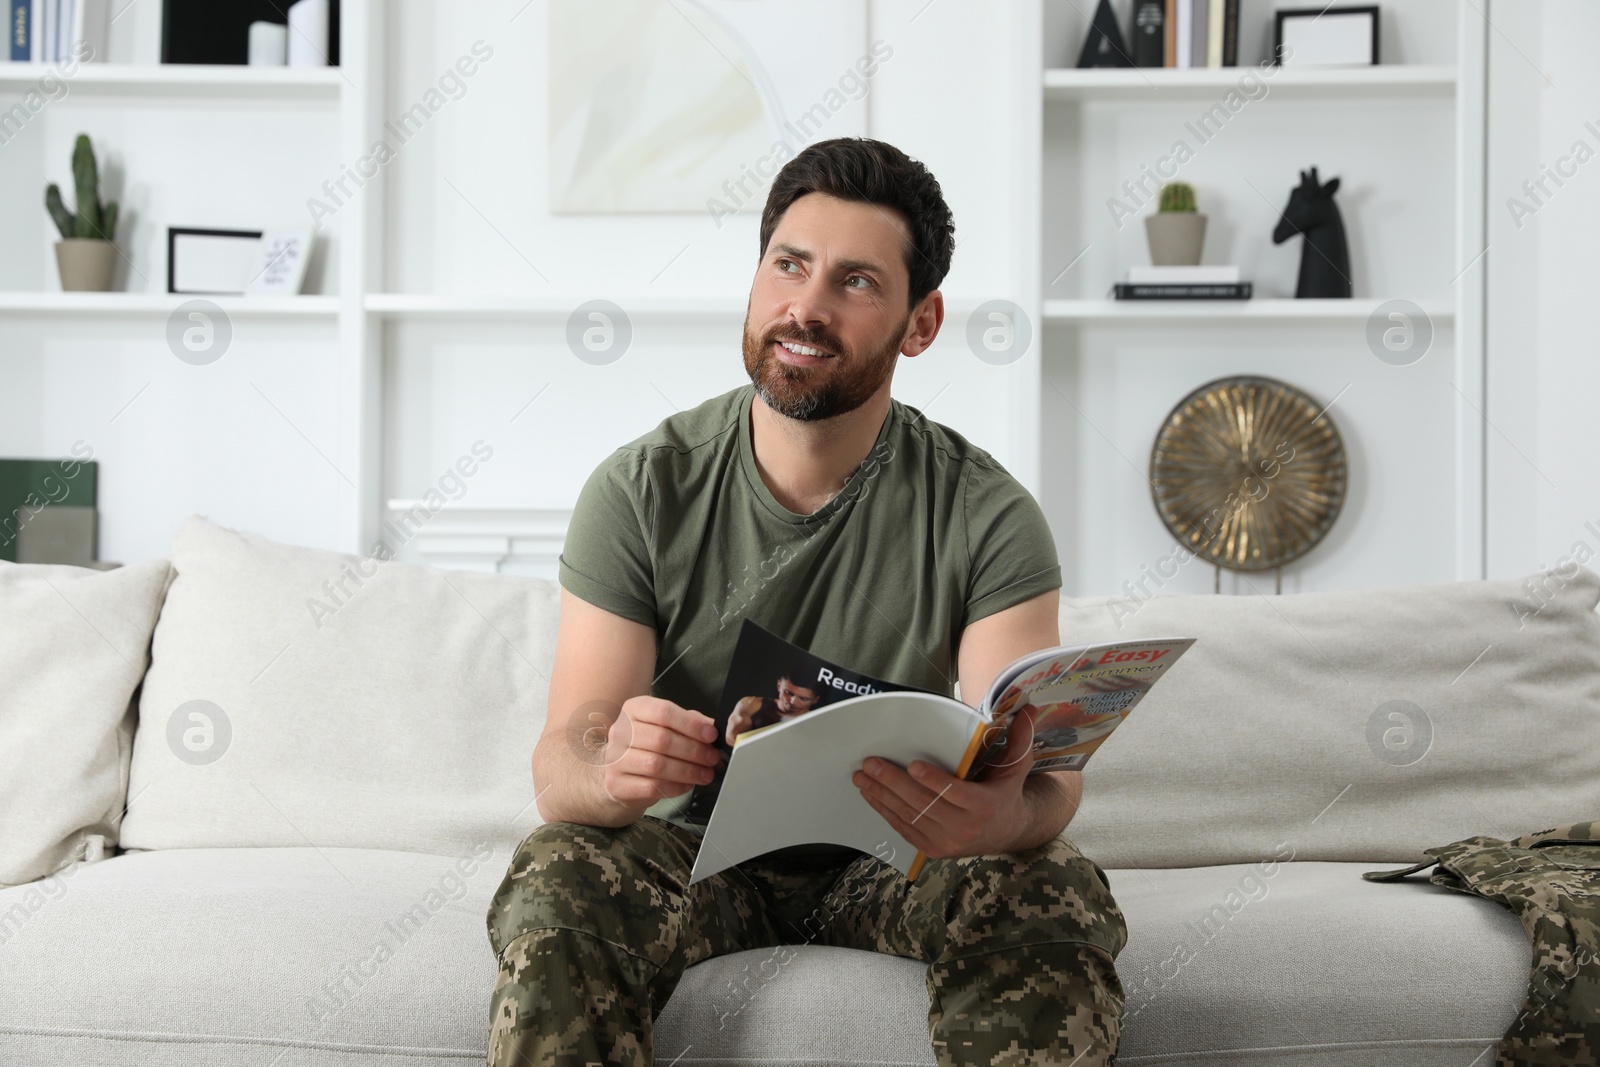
(1148, 33)
(308, 33)
(1103, 45)
(269, 44)
(1248, 473)
(47, 509)
(1183, 283)
(1326, 37)
(211, 262)
(205, 31)
(1177, 231)
(1325, 259)
(280, 268)
(85, 254)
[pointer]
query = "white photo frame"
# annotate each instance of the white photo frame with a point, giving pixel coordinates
(1326, 37)
(280, 268)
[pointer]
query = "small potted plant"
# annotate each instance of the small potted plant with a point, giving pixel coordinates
(1177, 232)
(85, 254)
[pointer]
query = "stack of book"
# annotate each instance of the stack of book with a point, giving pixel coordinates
(50, 31)
(1182, 283)
(1185, 33)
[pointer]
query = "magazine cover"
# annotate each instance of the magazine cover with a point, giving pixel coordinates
(1079, 698)
(771, 681)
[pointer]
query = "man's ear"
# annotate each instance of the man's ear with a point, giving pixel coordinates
(924, 326)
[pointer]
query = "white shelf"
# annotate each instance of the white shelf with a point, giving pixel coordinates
(428, 306)
(180, 80)
(1333, 83)
(1184, 312)
(157, 304)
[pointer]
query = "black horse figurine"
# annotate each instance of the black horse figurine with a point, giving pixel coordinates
(1325, 259)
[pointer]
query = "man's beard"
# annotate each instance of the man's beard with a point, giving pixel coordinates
(821, 391)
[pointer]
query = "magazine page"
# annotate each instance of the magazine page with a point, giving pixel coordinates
(771, 681)
(1080, 696)
(789, 784)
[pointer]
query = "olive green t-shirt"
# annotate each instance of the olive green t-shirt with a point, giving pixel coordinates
(677, 531)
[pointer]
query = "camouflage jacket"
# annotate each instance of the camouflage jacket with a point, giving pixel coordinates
(1551, 880)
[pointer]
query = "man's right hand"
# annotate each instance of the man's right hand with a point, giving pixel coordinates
(657, 749)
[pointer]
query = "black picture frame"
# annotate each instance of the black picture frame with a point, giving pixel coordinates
(174, 232)
(1317, 12)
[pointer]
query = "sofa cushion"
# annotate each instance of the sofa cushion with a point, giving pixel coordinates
(1384, 720)
(302, 697)
(356, 956)
(1308, 964)
(74, 643)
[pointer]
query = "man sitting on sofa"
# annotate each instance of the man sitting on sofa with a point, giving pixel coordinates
(846, 522)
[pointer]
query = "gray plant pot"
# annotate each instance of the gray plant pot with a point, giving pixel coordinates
(1176, 238)
(86, 264)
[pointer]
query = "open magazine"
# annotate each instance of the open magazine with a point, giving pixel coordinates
(798, 727)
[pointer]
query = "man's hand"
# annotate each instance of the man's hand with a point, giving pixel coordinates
(657, 749)
(744, 715)
(946, 817)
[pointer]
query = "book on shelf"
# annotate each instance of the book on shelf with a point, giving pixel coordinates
(1182, 291)
(1214, 32)
(797, 727)
(50, 31)
(1169, 50)
(1148, 35)
(1184, 58)
(1191, 33)
(1209, 275)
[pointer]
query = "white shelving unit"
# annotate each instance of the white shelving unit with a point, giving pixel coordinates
(181, 80)
(160, 305)
(406, 259)
(1160, 84)
(1407, 139)
(1223, 312)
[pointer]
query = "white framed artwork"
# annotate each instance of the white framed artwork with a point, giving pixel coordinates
(663, 106)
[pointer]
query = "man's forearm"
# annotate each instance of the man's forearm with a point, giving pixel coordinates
(1049, 802)
(569, 788)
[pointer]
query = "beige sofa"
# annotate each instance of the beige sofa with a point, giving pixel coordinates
(254, 800)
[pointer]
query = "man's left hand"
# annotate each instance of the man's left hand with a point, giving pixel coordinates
(946, 817)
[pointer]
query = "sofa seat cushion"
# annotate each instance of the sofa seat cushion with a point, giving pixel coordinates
(300, 956)
(297, 957)
(1306, 963)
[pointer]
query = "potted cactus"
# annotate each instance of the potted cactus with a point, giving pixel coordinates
(1177, 232)
(85, 254)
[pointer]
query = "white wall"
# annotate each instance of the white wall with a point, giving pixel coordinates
(452, 383)
(1544, 365)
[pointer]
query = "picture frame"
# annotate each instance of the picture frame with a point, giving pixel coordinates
(1326, 37)
(281, 262)
(211, 262)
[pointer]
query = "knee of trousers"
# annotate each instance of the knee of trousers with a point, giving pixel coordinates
(1052, 894)
(622, 885)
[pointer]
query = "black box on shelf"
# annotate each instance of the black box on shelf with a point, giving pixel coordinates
(205, 31)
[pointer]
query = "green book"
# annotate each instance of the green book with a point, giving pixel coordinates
(29, 485)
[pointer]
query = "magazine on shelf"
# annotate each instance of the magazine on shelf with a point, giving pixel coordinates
(797, 727)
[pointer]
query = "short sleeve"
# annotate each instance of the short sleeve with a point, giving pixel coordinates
(1011, 551)
(606, 558)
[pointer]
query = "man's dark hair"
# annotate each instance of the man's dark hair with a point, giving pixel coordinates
(873, 172)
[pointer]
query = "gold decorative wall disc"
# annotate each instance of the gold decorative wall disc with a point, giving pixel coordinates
(1248, 473)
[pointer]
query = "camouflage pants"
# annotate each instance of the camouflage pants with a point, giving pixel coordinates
(593, 927)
